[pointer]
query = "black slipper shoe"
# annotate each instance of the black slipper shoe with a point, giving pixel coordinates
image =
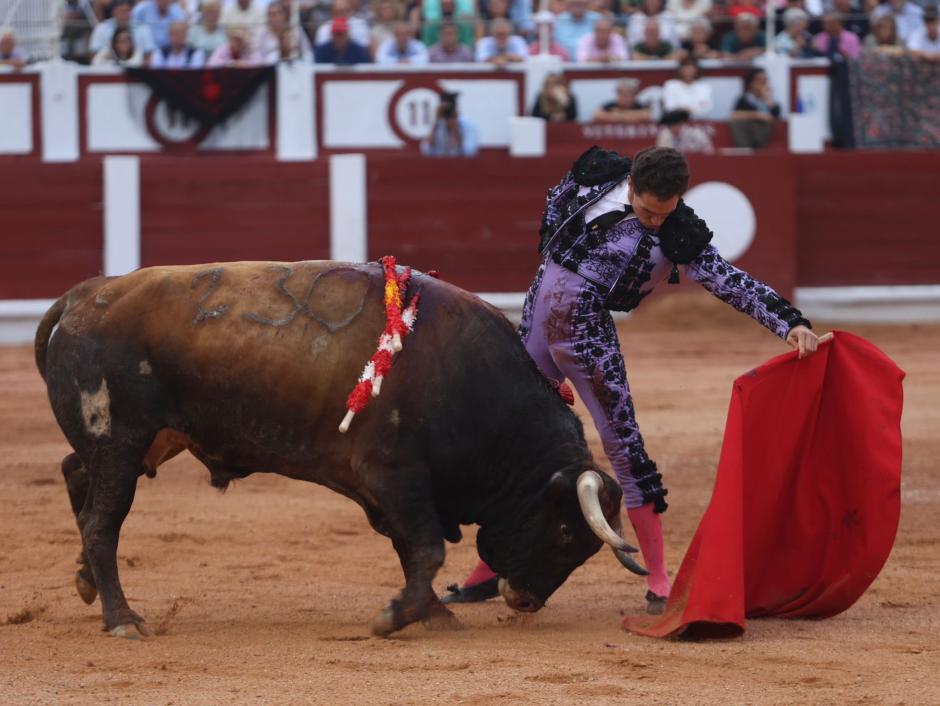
(655, 605)
(482, 591)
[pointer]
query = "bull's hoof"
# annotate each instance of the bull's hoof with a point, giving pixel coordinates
(440, 618)
(130, 631)
(87, 591)
(384, 623)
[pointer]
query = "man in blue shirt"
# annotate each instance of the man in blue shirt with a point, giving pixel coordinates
(158, 15)
(340, 49)
(574, 24)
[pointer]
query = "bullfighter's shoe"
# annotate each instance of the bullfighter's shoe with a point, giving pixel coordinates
(482, 591)
(655, 605)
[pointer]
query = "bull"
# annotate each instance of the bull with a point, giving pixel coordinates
(248, 365)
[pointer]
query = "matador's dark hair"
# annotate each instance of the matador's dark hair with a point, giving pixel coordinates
(661, 171)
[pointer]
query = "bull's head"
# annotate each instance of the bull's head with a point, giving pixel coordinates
(566, 525)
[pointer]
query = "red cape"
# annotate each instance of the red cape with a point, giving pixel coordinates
(807, 496)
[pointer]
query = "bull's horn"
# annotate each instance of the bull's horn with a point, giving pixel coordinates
(589, 488)
(629, 563)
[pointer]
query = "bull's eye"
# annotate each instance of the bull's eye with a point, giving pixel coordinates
(565, 534)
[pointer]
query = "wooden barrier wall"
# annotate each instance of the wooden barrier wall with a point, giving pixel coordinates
(823, 220)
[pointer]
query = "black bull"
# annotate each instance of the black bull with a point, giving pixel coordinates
(248, 366)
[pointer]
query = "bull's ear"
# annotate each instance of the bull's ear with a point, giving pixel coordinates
(558, 486)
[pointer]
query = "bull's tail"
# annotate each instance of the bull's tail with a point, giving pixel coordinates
(49, 320)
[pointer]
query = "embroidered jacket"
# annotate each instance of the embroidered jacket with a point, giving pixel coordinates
(625, 261)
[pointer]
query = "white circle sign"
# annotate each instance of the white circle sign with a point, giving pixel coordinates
(729, 215)
(415, 112)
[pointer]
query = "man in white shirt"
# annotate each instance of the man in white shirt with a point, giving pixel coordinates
(401, 47)
(603, 46)
(179, 55)
(502, 46)
(243, 13)
(926, 40)
(688, 92)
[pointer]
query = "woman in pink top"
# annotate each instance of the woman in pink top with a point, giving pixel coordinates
(237, 51)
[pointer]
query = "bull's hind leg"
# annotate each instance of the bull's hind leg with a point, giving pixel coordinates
(76, 480)
(111, 492)
(411, 520)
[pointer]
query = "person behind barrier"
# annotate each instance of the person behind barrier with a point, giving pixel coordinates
(452, 135)
(755, 113)
(179, 55)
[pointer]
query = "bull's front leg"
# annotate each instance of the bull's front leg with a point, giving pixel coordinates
(419, 540)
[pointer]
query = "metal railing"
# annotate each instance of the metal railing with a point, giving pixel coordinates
(37, 25)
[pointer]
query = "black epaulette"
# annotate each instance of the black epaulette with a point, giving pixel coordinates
(683, 236)
(597, 166)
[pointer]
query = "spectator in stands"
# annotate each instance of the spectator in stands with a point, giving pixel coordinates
(925, 42)
(270, 41)
(603, 45)
(745, 42)
(908, 16)
(452, 135)
(554, 47)
(795, 40)
(573, 24)
(449, 11)
(339, 48)
(357, 28)
(121, 17)
(884, 37)
(436, 12)
(675, 132)
(685, 13)
(491, 10)
(158, 15)
(402, 48)
(653, 47)
(237, 50)
(502, 47)
(10, 54)
(121, 51)
(746, 7)
(626, 109)
(699, 44)
(243, 13)
(651, 11)
(179, 55)
(853, 16)
(688, 91)
(836, 42)
(555, 103)
(754, 115)
(388, 13)
(208, 34)
(449, 49)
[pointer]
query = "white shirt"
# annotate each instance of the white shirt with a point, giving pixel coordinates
(695, 97)
(919, 41)
(685, 15)
(389, 53)
(234, 16)
(613, 200)
(637, 25)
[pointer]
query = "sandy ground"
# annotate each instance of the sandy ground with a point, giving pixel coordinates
(264, 595)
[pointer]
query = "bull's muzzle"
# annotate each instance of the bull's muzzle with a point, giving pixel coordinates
(523, 601)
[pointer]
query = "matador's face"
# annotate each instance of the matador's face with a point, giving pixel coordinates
(649, 209)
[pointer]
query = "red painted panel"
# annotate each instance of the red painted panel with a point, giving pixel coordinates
(210, 209)
(868, 218)
(51, 232)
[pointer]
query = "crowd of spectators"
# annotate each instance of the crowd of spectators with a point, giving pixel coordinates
(193, 33)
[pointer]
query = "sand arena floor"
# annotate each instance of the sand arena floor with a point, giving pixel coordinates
(264, 595)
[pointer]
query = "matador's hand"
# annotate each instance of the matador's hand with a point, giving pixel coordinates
(802, 339)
